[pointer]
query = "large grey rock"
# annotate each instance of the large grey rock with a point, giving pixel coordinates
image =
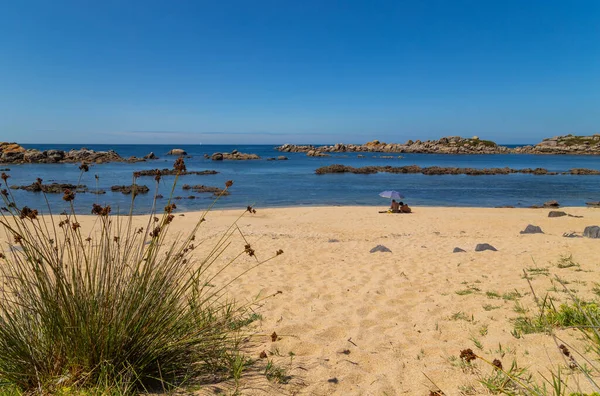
(177, 151)
(34, 156)
(531, 229)
(484, 246)
(55, 155)
(592, 232)
(380, 248)
(556, 213)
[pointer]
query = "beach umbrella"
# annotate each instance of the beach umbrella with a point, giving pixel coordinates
(391, 194)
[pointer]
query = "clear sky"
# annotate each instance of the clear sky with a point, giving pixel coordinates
(325, 71)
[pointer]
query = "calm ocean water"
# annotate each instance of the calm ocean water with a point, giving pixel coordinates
(293, 183)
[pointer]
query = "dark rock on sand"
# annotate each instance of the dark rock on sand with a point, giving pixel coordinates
(380, 248)
(177, 151)
(556, 213)
(458, 250)
(134, 188)
(531, 229)
(484, 246)
(591, 232)
(593, 204)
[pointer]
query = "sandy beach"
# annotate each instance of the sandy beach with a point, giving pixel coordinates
(381, 323)
(352, 322)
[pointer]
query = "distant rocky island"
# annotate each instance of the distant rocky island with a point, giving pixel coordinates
(568, 144)
(13, 153)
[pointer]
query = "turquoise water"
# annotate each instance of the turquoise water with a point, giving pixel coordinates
(293, 183)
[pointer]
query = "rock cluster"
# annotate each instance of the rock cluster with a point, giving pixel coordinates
(234, 155)
(15, 154)
(445, 145)
(52, 188)
(134, 188)
(567, 144)
(200, 188)
(431, 170)
(171, 172)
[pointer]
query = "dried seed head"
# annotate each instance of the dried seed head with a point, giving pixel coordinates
(155, 233)
(5, 192)
(179, 165)
(565, 351)
(18, 238)
(84, 167)
(228, 183)
(28, 213)
(279, 252)
(274, 337)
(467, 355)
(116, 239)
(4, 176)
(88, 239)
(248, 249)
(75, 226)
(156, 219)
(101, 211)
(170, 208)
(497, 363)
(2, 256)
(158, 175)
(69, 195)
(140, 230)
(169, 219)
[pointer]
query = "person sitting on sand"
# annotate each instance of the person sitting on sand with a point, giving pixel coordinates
(404, 208)
(395, 208)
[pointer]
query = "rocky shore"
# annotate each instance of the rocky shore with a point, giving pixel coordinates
(438, 170)
(13, 153)
(568, 144)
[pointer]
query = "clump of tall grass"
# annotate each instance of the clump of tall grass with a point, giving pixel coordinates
(119, 306)
(579, 315)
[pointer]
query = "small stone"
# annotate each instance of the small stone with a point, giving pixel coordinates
(484, 246)
(592, 232)
(556, 213)
(458, 250)
(531, 229)
(380, 248)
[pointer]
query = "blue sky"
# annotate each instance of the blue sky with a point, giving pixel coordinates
(514, 71)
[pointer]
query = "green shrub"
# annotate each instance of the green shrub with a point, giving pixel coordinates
(115, 308)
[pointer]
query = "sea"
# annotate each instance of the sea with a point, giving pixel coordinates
(293, 182)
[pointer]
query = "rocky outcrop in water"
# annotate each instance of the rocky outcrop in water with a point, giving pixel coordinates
(15, 154)
(445, 145)
(234, 155)
(52, 188)
(432, 170)
(200, 188)
(171, 172)
(567, 144)
(177, 151)
(134, 188)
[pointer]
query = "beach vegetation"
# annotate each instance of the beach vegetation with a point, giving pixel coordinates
(121, 306)
(567, 262)
(492, 294)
